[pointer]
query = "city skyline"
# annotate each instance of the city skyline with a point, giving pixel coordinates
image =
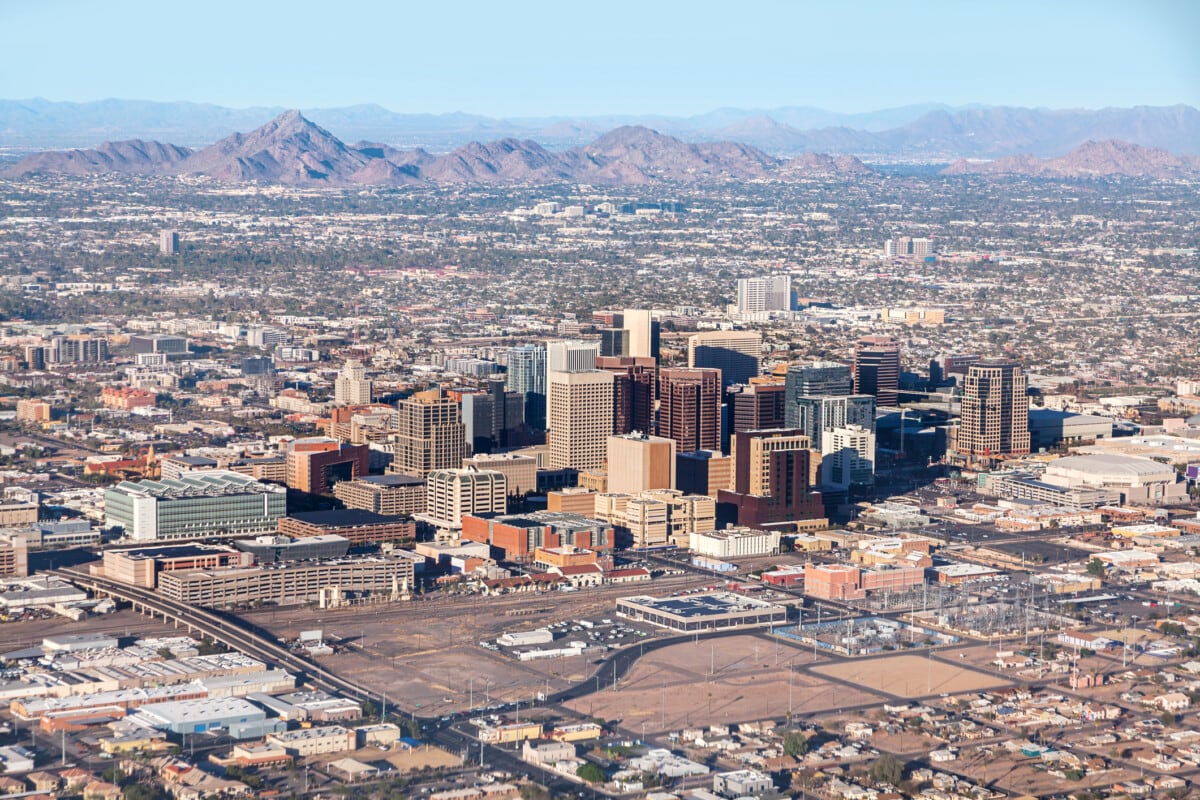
(843, 59)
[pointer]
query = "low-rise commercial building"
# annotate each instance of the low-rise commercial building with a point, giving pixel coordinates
(701, 612)
(307, 742)
(735, 543)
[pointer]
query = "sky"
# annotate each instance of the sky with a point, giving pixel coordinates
(567, 57)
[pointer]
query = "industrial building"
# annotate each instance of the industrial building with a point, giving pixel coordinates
(204, 505)
(239, 718)
(701, 612)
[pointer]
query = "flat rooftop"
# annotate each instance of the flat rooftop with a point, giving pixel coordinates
(348, 517)
(392, 480)
(702, 605)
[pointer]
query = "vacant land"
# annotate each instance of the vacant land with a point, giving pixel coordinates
(734, 679)
(909, 676)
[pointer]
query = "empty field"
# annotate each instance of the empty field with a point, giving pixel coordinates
(909, 676)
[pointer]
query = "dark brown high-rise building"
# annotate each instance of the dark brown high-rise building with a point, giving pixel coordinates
(633, 392)
(877, 368)
(757, 406)
(690, 408)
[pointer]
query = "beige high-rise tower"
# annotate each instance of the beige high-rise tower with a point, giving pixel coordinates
(352, 387)
(579, 415)
(638, 462)
(995, 410)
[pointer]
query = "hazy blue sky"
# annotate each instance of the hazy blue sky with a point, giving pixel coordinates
(571, 57)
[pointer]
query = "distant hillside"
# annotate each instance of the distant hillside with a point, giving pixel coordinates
(292, 150)
(927, 131)
(1088, 160)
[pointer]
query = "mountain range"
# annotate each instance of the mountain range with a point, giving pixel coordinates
(1089, 159)
(918, 132)
(292, 150)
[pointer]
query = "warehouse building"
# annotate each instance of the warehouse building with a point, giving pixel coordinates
(702, 612)
(240, 718)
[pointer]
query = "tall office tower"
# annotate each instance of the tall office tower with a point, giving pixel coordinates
(579, 413)
(527, 376)
(352, 387)
(35, 356)
(633, 392)
(638, 462)
(848, 457)
(690, 408)
(571, 356)
(772, 480)
(738, 354)
(757, 406)
(816, 415)
(168, 243)
(877, 368)
(818, 378)
(614, 342)
(995, 410)
(643, 332)
(770, 293)
(430, 434)
(494, 419)
(451, 493)
(703, 472)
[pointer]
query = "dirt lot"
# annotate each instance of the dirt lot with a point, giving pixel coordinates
(671, 688)
(910, 676)
(424, 654)
(1020, 775)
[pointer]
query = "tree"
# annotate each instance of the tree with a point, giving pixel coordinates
(140, 791)
(590, 773)
(1167, 718)
(532, 791)
(795, 744)
(887, 769)
(1096, 567)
